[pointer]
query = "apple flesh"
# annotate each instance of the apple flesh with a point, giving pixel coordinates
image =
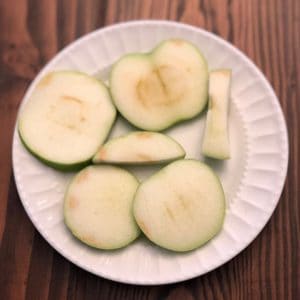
(98, 207)
(216, 137)
(156, 90)
(181, 207)
(66, 119)
(140, 147)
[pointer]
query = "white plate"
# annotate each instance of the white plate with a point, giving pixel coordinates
(253, 178)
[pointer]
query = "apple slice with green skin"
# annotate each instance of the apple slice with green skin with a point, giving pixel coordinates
(156, 90)
(181, 207)
(66, 119)
(216, 139)
(98, 207)
(140, 147)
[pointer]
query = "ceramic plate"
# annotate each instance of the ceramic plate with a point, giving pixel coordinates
(252, 179)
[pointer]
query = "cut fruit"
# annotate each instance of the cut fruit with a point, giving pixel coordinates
(156, 90)
(98, 207)
(66, 119)
(216, 139)
(140, 147)
(180, 207)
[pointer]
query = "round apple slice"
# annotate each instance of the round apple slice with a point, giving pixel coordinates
(98, 207)
(66, 119)
(140, 147)
(156, 90)
(181, 207)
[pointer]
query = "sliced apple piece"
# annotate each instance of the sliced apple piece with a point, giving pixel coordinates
(181, 207)
(216, 137)
(66, 119)
(156, 90)
(140, 147)
(98, 207)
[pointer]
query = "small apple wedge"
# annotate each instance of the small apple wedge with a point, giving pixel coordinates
(140, 147)
(216, 139)
(153, 91)
(98, 207)
(181, 207)
(66, 119)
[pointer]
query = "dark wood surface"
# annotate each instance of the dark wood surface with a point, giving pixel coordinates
(33, 31)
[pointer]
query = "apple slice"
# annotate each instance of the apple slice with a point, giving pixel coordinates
(180, 207)
(140, 147)
(98, 207)
(156, 90)
(66, 119)
(216, 139)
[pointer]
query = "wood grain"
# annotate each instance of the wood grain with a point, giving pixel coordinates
(33, 31)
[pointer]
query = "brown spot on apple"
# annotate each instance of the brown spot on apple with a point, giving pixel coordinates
(224, 72)
(71, 98)
(82, 176)
(89, 239)
(144, 134)
(184, 203)
(163, 86)
(144, 228)
(143, 157)
(169, 212)
(45, 80)
(178, 42)
(101, 154)
(73, 202)
(152, 90)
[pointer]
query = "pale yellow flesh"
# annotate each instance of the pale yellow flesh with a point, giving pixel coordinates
(155, 90)
(67, 117)
(216, 136)
(139, 147)
(98, 207)
(181, 207)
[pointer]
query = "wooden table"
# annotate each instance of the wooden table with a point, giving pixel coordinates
(32, 32)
